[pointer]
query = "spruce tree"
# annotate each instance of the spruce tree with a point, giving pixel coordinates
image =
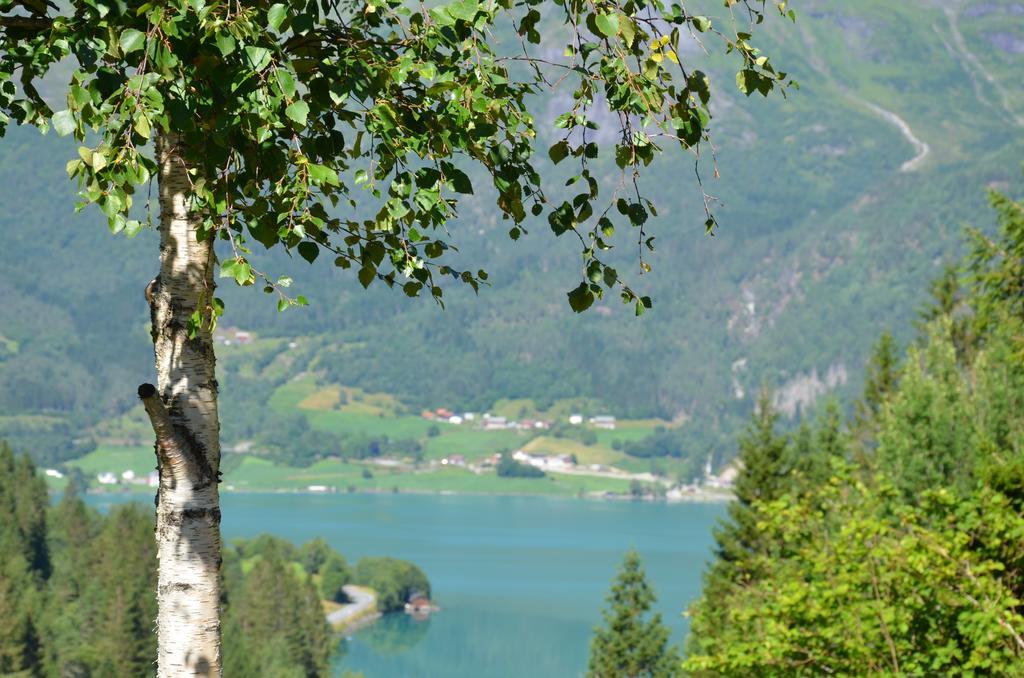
(281, 619)
(763, 459)
(630, 645)
(880, 379)
(813, 448)
(24, 562)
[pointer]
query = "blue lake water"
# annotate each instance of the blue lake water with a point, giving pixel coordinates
(520, 580)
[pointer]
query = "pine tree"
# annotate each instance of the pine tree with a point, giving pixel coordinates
(881, 378)
(764, 457)
(926, 433)
(24, 562)
(71, 530)
(629, 645)
(281, 619)
(763, 460)
(813, 448)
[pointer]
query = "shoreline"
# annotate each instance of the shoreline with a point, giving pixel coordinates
(698, 497)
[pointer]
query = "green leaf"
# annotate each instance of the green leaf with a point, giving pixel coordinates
(464, 9)
(461, 181)
(321, 174)
(366, 276)
(64, 123)
(259, 57)
(441, 16)
(298, 112)
(558, 152)
(701, 23)
(131, 40)
(276, 15)
(309, 251)
(132, 227)
(239, 269)
(225, 43)
(581, 298)
(286, 82)
(608, 24)
(142, 126)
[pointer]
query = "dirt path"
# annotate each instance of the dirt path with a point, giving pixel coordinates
(974, 66)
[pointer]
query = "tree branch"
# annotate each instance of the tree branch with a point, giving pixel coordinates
(26, 23)
(170, 449)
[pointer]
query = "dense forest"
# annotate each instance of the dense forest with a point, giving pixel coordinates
(77, 589)
(891, 543)
(822, 239)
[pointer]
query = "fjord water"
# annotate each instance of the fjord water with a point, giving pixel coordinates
(520, 580)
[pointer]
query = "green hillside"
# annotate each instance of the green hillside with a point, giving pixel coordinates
(838, 204)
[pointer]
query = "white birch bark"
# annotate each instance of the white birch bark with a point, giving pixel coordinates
(183, 410)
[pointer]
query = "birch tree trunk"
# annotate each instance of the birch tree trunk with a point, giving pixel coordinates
(183, 411)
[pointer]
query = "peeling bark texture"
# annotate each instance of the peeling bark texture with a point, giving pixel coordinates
(183, 410)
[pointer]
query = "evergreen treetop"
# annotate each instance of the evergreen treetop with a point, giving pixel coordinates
(630, 645)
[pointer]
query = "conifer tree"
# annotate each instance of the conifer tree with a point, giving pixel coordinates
(880, 379)
(813, 449)
(926, 433)
(630, 645)
(24, 561)
(764, 458)
(280, 619)
(763, 476)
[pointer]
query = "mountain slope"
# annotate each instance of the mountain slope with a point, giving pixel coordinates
(838, 203)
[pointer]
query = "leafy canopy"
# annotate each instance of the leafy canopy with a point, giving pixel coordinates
(907, 557)
(340, 128)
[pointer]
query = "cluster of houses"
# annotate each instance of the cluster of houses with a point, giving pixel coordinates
(233, 336)
(491, 422)
(486, 421)
(226, 336)
(128, 477)
(560, 462)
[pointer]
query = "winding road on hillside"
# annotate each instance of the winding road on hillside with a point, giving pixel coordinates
(921, 149)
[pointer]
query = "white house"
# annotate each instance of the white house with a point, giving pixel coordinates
(575, 419)
(455, 419)
(54, 473)
(494, 423)
(559, 462)
(725, 479)
(603, 421)
(106, 478)
(128, 475)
